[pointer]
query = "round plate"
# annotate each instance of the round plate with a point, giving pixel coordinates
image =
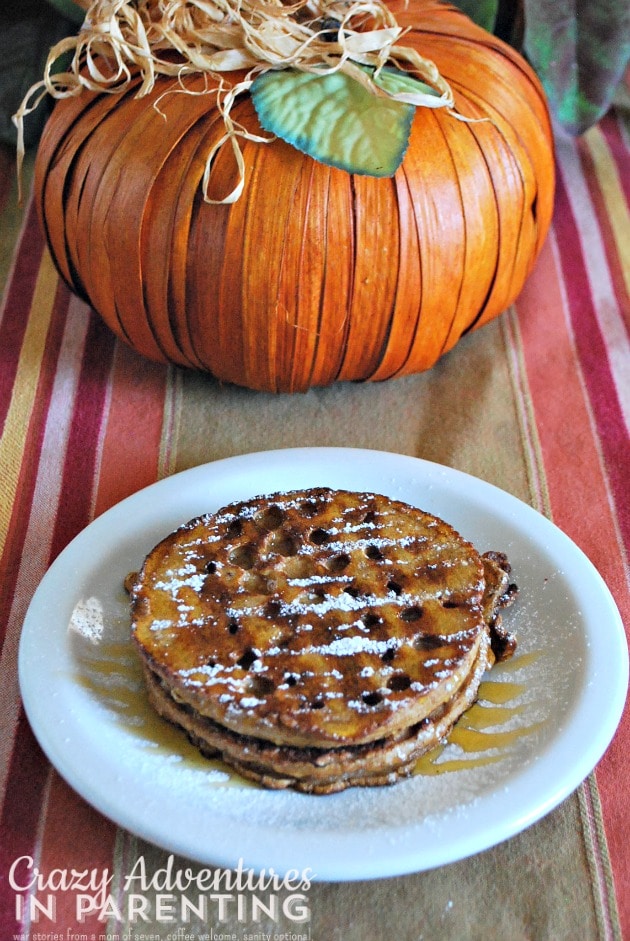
(551, 711)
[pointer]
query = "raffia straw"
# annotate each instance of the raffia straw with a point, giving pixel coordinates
(123, 38)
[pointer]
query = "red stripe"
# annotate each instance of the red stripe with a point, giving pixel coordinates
(138, 392)
(614, 445)
(29, 466)
(593, 356)
(611, 129)
(20, 815)
(28, 771)
(578, 498)
(61, 850)
(75, 504)
(621, 158)
(580, 506)
(17, 307)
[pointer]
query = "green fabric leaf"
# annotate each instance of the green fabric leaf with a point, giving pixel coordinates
(337, 121)
(504, 18)
(27, 31)
(482, 12)
(580, 50)
(72, 11)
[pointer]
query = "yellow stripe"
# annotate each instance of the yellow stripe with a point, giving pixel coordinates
(25, 391)
(614, 196)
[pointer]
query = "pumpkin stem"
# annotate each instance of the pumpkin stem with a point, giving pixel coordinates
(121, 39)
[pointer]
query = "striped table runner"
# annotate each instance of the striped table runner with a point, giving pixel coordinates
(537, 402)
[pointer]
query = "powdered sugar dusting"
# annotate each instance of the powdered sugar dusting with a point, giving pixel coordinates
(193, 580)
(350, 646)
(281, 601)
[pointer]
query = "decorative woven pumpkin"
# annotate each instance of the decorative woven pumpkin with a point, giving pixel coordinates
(314, 274)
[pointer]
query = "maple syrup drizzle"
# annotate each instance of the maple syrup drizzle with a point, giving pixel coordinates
(113, 673)
(495, 707)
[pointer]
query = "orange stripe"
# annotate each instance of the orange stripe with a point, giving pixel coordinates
(580, 505)
(532, 457)
(69, 817)
(580, 499)
(24, 392)
(131, 449)
(38, 517)
(615, 211)
(131, 442)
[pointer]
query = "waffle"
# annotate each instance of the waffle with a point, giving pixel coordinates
(317, 638)
(318, 770)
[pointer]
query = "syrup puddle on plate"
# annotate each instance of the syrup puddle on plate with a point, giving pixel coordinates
(113, 674)
(483, 735)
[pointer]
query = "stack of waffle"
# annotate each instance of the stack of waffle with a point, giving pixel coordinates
(318, 639)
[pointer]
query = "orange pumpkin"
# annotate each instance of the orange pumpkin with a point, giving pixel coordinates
(313, 275)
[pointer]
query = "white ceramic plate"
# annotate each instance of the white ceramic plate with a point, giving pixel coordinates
(563, 693)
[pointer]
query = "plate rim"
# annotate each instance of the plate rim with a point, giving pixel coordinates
(368, 867)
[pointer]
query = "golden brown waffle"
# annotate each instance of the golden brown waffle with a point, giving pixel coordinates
(313, 619)
(319, 770)
(499, 593)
